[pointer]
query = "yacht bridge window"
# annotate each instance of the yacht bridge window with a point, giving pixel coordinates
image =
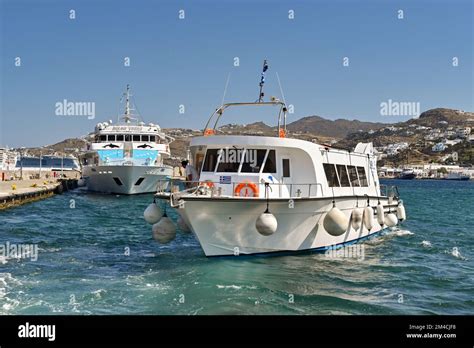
(338, 175)
(230, 160)
(253, 160)
(353, 176)
(331, 174)
(362, 176)
(343, 178)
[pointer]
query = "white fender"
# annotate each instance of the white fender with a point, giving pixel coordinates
(164, 231)
(391, 220)
(380, 215)
(369, 218)
(266, 224)
(356, 221)
(335, 222)
(401, 214)
(152, 213)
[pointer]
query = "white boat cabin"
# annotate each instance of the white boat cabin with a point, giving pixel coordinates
(241, 165)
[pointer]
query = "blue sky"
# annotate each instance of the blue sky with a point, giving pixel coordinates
(187, 61)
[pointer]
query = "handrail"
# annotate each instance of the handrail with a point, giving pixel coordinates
(219, 112)
(197, 187)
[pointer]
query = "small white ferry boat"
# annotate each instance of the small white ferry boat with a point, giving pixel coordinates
(261, 194)
(126, 158)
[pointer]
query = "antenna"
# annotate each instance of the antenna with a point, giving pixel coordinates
(262, 81)
(127, 104)
(225, 88)
(127, 117)
(281, 89)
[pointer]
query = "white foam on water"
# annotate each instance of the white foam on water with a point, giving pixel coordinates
(456, 253)
(235, 287)
(98, 293)
(426, 244)
(401, 233)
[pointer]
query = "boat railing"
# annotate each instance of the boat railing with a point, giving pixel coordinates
(389, 191)
(209, 187)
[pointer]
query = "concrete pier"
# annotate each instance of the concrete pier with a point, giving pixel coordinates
(17, 192)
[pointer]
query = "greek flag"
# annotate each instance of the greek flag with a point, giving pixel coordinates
(224, 179)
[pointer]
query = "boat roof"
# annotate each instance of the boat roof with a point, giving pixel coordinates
(262, 141)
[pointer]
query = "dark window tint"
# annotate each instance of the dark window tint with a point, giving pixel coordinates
(286, 167)
(120, 137)
(353, 176)
(145, 138)
(152, 138)
(136, 138)
(343, 178)
(111, 137)
(103, 138)
(270, 164)
(229, 160)
(331, 175)
(128, 137)
(253, 160)
(118, 181)
(139, 181)
(362, 176)
(210, 161)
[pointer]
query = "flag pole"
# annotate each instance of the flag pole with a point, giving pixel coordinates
(262, 81)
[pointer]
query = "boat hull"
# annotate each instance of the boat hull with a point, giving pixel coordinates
(227, 227)
(125, 180)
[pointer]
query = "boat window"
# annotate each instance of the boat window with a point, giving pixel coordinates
(136, 138)
(111, 137)
(270, 163)
(253, 160)
(103, 138)
(343, 178)
(152, 138)
(286, 167)
(119, 137)
(229, 161)
(127, 137)
(210, 161)
(331, 175)
(353, 176)
(362, 176)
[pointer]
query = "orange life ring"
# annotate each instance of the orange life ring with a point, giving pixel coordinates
(282, 133)
(208, 184)
(209, 131)
(247, 185)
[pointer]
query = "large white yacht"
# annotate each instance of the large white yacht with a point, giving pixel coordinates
(127, 157)
(263, 194)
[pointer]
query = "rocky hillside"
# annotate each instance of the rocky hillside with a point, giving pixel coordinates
(339, 128)
(438, 117)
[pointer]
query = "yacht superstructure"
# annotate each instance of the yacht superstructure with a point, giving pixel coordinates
(127, 158)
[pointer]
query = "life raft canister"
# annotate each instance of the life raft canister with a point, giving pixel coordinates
(246, 189)
(282, 133)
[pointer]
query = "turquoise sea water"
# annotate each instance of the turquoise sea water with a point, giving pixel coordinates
(426, 266)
